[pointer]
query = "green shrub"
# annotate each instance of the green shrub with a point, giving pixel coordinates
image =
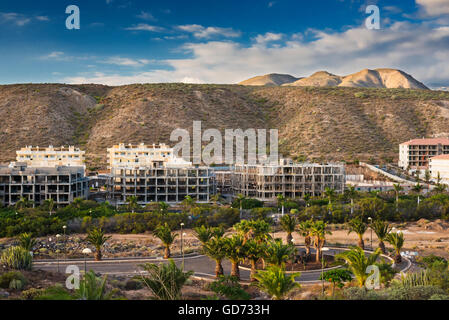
(16, 284)
(57, 292)
(32, 294)
(439, 297)
(399, 292)
(17, 258)
(8, 277)
(229, 287)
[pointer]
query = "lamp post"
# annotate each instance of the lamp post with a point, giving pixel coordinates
(322, 268)
(86, 252)
(182, 245)
(370, 220)
(56, 251)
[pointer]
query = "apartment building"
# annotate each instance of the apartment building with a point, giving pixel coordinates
(51, 156)
(154, 174)
(439, 166)
(415, 154)
(292, 180)
(63, 184)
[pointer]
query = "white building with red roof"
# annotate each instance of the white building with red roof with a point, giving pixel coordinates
(439, 166)
(415, 154)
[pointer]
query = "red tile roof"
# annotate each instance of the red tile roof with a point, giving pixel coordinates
(427, 142)
(441, 157)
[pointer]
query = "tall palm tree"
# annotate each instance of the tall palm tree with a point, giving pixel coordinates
(24, 203)
(281, 202)
(358, 262)
(275, 282)
(188, 203)
(258, 230)
(203, 234)
(254, 251)
(49, 204)
(288, 224)
(329, 193)
(318, 231)
(359, 227)
(351, 193)
(163, 207)
(427, 178)
(397, 190)
(418, 188)
(305, 230)
(132, 203)
(97, 238)
(164, 233)
(277, 253)
(215, 198)
(381, 229)
(240, 198)
(215, 249)
(234, 250)
(397, 241)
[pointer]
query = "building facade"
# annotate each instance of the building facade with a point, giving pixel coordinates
(415, 154)
(292, 180)
(51, 156)
(439, 167)
(154, 174)
(63, 184)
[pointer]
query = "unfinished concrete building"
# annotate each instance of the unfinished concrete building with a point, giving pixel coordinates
(61, 183)
(292, 180)
(154, 174)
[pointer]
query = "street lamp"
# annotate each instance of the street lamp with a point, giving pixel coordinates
(56, 251)
(371, 228)
(182, 244)
(322, 268)
(64, 227)
(86, 252)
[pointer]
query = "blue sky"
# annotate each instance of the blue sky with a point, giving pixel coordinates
(130, 41)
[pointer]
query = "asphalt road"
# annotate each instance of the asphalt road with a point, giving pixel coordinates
(202, 265)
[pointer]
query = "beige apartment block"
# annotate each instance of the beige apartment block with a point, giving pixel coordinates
(51, 156)
(439, 166)
(143, 155)
(63, 184)
(415, 154)
(292, 180)
(154, 174)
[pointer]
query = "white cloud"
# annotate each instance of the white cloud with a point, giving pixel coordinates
(417, 49)
(42, 18)
(434, 8)
(145, 27)
(268, 37)
(201, 32)
(16, 19)
(146, 16)
(127, 62)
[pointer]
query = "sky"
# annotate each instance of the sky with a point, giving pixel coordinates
(198, 41)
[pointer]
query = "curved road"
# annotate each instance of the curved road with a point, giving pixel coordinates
(202, 265)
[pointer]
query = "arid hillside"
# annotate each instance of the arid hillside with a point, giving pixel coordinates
(314, 123)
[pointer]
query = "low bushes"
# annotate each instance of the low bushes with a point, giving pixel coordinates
(17, 258)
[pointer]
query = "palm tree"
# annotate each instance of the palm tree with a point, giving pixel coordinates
(215, 249)
(203, 234)
(281, 202)
(253, 252)
(188, 203)
(359, 227)
(24, 203)
(275, 282)
(358, 262)
(215, 198)
(288, 224)
(381, 229)
(277, 253)
(427, 178)
(351, 193)
(163, 232)
(165, 280)
(397, 241)
(97, 238)
(440, 188)
(132, 203)
(234, 250)
(93, 288)
(418, 188)
(254, 229)
(305, 230)
(240, 198)
(329, 193)
(50, 204)
(163, 207)
(397, 190)
(318, 230)
(26, 241)
(77, 203)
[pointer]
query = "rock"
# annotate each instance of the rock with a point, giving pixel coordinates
(4, 294)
